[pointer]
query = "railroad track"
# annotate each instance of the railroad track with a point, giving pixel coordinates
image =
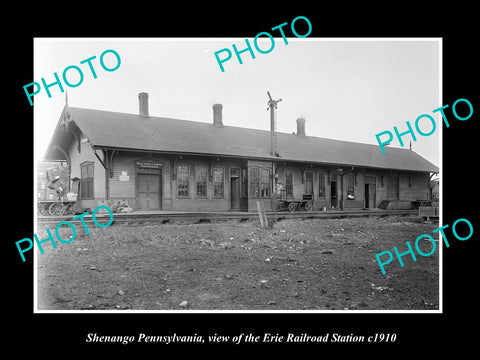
(211, 217)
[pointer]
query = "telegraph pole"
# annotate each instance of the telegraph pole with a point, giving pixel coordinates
(272, 106)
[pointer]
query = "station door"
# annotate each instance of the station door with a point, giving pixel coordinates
(149, 190)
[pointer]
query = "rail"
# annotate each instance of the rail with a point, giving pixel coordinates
(148, 218)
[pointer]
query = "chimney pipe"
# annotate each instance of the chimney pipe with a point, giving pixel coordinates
(301, 126)
(143, 104)
(217, 115)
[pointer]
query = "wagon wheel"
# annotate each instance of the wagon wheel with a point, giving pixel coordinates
(292, 207)
(308, 206)
(71, 209)
(56, 209)
(42, 209)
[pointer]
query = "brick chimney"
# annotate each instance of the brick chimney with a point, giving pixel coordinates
(301, 126)
(143, 104)
(217, 115)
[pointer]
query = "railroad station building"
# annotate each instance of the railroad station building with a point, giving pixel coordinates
(158, 163)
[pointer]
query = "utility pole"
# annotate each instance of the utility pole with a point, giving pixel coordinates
(272, 106)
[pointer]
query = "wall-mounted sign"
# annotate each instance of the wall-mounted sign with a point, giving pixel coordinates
(123, 176)
(144, 164)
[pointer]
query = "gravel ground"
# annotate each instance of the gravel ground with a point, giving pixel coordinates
(317, 264)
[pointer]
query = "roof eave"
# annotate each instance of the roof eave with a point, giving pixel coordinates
(262, 158)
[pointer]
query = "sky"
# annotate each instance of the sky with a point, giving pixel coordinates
(346, 89)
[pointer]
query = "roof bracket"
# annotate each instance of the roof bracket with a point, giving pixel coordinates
(210, 167)
(110, 163)
(174, 167)
(67, 122)
(106, 161)
(77, 138)
(99, 159)
(67, 157)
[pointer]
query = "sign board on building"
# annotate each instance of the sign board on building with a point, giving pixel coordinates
(149, 165)
(124, 176)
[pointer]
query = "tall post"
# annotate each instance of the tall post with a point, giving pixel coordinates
(272, 105)
(262, 215)
(273, 131)
(274, 187)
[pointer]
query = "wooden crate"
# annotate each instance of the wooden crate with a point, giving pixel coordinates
(428, 211)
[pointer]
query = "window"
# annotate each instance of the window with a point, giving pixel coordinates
(234, 172)
(350, 187)
(392, 187)
(244, 183)
(86, 180)
(201, 180)
(218, 182)
(321, 185)
(308, 183)
(182, 181)
(289, 183)
(254, 182)
(259, 182)
(264, 182)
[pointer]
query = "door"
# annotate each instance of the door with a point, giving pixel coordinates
(333, 194)
(148, 191)
(370, 192)
(371, 195)
(308, 183)
(235, 189)
(367, 196)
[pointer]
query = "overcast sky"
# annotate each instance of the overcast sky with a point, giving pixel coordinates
(347, 89)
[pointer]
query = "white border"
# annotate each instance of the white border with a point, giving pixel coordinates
(189, 311)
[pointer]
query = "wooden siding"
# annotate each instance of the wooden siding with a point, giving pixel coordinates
(209, 202)
(126, 190)
(76, 160)
(252, 200)
(414, 186)
(411, 185)
(122, 186)
(299, 184)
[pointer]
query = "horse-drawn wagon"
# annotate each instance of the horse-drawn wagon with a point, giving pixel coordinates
(56, 207)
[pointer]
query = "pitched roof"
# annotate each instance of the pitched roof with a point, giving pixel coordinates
(106, 129)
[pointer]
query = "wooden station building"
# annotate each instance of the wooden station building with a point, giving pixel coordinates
(158, 163)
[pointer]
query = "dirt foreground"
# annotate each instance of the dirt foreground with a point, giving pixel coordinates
(317, 264)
